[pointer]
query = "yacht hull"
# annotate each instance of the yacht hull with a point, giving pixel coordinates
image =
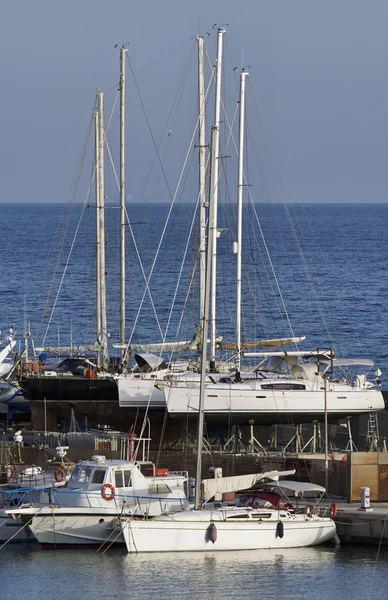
(139, 392)
(71, 388)
(193, 536)
(270, 406)
(82, 530)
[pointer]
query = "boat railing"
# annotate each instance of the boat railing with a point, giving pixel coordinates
(17, 498)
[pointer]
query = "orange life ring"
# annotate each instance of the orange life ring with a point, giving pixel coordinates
(105, 495)
(10, 473)
(59, 475)
(333, 510)
(33, 367)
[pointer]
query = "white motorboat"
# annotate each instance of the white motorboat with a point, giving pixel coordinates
(84, 512)
(29, 484)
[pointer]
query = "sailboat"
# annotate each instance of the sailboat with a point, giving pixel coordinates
(90, 380)
(300, 385)
(220, 527)
(97, 383)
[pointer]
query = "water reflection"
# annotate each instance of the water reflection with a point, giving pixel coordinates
(331, 572)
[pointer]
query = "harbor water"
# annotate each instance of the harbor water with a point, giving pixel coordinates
(335, 573)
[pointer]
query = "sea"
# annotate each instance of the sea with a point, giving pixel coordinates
(324, 572)
(316, 271)
(313, 270)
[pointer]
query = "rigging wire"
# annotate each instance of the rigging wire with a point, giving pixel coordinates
(77, 227)
(163, 56)
(307, 268)
(173, 198)
(67, 224)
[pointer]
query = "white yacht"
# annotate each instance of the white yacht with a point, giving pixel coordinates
(259, 520)
(84, 512)
(293, 384)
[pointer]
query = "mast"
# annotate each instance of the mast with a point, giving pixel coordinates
(202, 178)
(214, 195)
(209, 274)
(238, 245)
(204, 329)
(103, 331)
(122, 200)
(98, 239)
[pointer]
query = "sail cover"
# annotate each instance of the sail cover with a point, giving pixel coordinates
(276, 343)
(222, 485)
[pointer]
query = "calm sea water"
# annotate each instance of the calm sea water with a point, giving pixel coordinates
(345, 573)
(329, 262)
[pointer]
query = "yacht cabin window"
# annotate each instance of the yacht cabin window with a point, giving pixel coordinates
(123, 478)
(84, 475)
(81, 475)
(155, 489)
(127, 478)
(275, 364)
(99, 476)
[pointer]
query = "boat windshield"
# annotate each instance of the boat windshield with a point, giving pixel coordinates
(275, 364)
(81, 474)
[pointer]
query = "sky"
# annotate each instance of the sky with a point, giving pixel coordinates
(318, 79)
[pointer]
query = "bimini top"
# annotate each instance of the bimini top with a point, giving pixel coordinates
(300, 487)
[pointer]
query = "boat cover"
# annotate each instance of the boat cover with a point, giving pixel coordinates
(223, 485)
(276, 343)
(297, 486)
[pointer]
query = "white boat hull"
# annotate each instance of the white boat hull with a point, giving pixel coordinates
(140, 392)
(91, 529)
(164, 536)
(247, 401)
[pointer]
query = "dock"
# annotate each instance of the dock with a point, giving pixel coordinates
(356, 526)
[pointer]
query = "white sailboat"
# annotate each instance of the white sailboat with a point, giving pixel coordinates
(254, 523)
(292, 384)
(300, 385)
(137, 388)
(221, 527)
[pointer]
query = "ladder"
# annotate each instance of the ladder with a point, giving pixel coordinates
(373, 435)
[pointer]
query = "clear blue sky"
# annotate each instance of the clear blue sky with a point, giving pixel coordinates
(319, 71)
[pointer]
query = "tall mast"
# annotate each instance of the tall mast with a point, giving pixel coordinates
(204, 330)
(101, 193)
(122, 199)
(202, 177)
(214, 194)
(98, 238)
(211, 236)
(243, 74)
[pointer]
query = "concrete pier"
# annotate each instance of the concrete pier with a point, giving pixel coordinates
(357, 526)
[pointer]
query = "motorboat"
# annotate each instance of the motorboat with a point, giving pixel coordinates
(23, 483)
(99, 491)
